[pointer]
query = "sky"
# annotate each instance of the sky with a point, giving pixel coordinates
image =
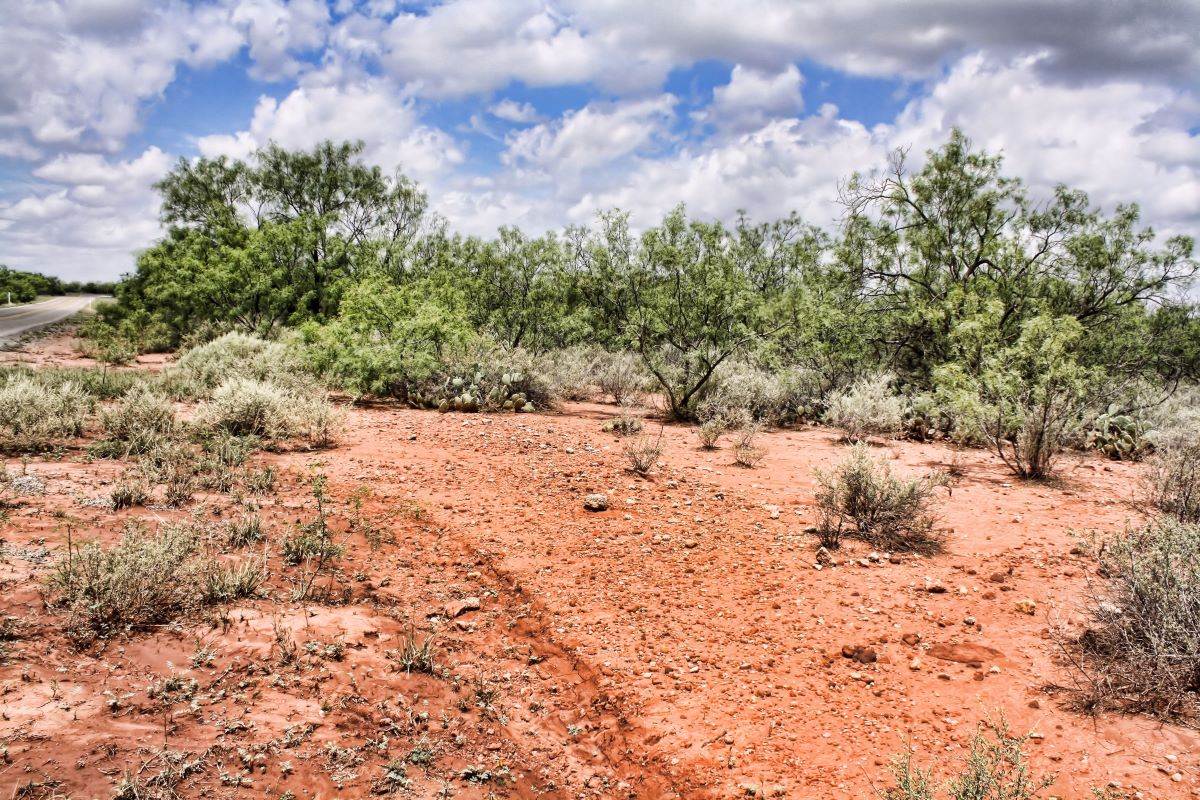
(539, 113)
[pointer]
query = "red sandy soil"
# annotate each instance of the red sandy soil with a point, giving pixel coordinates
(681, 644)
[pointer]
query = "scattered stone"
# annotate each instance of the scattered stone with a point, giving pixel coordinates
(1027, 606)
(935, 588)
(457, 608)
(911, 639)
(596, 502)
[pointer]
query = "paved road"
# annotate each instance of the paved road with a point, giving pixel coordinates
(15, 320)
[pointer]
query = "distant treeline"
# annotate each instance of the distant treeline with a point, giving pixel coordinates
(21, 287)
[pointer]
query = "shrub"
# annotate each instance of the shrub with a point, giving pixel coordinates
(868, 407)
(35, 415)
(206, 367)
(249, 407)
(771, 397)
(571, 372)
(128, 492)
(144, 579)
(624, 425)
(996, 769)
(643, 454)
(1024, 398)
(746, 452)
(244, 530)
(863, 499)
(710, 433)
(620, 375)
(1142, 653)
(1172, 480)
(139, 421)
(222, 581)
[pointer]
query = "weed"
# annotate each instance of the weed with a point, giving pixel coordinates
(868, 407)
(1142, 652)
(996, 768)
(414, 656)
(624, 425)
(245, 530)
(142, 580)
(139, 421)
(710, 433)
(36, 414)
(862, 498)
(643, 453)
(1172, 482)
(746, 452)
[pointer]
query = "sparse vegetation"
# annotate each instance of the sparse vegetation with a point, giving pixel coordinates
(747, 452)
(1172, 482)
(250, 407)
(861, 497)
(643, 454)
(1142, 651)
(143, 579)
(996, 768)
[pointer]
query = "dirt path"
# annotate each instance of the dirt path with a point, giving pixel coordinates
(697, 596)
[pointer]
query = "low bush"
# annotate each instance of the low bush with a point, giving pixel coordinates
(144, 579)
(250, 407)
(775, 397)
(139, 421)
(572, 372)
(868, 407)
(223, 581)
(624, 425)
(1172, 479)
(710, 433)
(621, 376)
(100, 383)
(36, 415)
(202, 369)
(996, 768)
(746, 451)
(643, 454)
(1142, 652)
(863, 499)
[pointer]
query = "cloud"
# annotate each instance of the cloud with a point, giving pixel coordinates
(87, 216)
(591, 137)
(512, 111)
(78, 73)
(752, 97)
(461, 47)
(366, 109)
(1120, 140)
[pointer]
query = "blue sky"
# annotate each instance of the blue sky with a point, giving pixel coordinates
(541, 112)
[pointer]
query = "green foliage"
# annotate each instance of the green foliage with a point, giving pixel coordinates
(1024, 397)
(936, 276)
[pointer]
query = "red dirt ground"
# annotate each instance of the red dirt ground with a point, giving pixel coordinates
(681, 644)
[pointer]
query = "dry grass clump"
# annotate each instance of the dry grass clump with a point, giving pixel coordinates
(624, 425)
(138, 422)
(868, 407)
(863, 499)
(746, 451)
(36, 415)
(710, 433)
(996, 768)
(202, 369)
(643, 454)
(144, 579)
(1142, 653)
(1172, 481)
(249, 407)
